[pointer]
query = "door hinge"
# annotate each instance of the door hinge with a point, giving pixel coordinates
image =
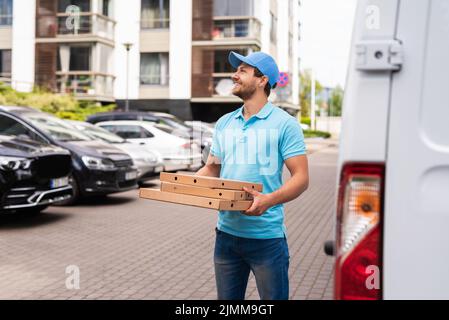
(378, 55)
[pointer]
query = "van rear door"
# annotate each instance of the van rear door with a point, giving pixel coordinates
(416, 225)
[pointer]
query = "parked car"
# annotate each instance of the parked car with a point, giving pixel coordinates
(392, 220)
(206, 129)
(98, 168)
(163, 121)
(33, 175)
(148, 162)
(177, 153)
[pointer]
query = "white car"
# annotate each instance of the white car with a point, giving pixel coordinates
(177, 153)
(148, 162)
(392, 238)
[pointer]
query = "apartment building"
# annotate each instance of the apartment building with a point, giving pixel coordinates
(165, 55)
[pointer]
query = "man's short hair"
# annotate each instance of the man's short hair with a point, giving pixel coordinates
(267, 88)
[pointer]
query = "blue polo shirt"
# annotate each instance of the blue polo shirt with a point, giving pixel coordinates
(255, 150)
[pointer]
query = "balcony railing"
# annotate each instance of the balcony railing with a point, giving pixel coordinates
(5, 20)
(161, 23)
(67, 26)
(85, 84)
(222, 84)
(155, 80)
(5, 78)
(236, 28)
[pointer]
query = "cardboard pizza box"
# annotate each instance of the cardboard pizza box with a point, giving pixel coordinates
(224, 194)
(203, 202)
(209, 182)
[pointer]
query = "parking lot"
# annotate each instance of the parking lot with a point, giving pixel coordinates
(128, 248)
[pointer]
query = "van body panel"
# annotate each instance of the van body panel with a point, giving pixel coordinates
(367, 94)
(416, 222)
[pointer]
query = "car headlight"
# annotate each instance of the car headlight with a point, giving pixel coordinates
(14, 163)
(97, 163)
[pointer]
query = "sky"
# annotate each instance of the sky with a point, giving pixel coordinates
(326, 30)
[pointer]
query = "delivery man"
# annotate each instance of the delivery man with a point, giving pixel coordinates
(252, 144)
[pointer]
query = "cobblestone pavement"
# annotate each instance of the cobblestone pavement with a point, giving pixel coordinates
(127, 248)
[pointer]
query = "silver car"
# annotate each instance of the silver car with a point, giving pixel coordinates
(148, 162)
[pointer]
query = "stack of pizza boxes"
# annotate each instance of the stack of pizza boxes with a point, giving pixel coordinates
(200, 191)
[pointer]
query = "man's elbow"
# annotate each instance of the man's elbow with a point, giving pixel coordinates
(306, 183)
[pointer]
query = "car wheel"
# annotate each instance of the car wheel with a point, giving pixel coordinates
(75, 193)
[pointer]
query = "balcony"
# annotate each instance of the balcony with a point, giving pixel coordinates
(236, 29)
(86, 85)
(91, 26)
(219, 90)
(222, 84)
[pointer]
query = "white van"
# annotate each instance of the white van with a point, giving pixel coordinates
(392, 227)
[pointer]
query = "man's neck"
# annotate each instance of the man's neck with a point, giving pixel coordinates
(253, 106)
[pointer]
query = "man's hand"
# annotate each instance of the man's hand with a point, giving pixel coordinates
(296, 185)
(261, 203)
(211, 168)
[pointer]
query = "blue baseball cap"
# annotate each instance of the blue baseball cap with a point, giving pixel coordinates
(260, 60)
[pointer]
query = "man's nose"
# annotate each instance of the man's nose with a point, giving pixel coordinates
(235, 77)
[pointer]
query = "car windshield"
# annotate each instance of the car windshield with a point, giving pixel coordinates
(100, 133)
(175, 123)
(55, 127)
(174, 131)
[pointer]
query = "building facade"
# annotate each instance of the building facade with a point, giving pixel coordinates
(165, 55)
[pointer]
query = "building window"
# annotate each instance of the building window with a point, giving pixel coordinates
(155, 14)
(221, 64)
(154, 68)
(5, 63)
(5, 12)
(225, 8)
(106, 8)
(273, 30)
(80, 58)
(230, 29)
(84, 5)
(74, 58)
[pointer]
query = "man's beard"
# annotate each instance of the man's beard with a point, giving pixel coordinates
(245, 93)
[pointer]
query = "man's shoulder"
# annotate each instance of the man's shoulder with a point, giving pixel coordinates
(283, 118)
(224, 119)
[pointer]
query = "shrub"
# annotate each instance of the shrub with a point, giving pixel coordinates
(63, 106)
(305, 120)
(316, 134)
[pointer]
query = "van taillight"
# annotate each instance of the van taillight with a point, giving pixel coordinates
(358, 266)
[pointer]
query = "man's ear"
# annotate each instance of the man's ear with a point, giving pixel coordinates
(264, 81)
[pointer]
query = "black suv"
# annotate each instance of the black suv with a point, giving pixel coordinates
(98, 168)
(32, 175)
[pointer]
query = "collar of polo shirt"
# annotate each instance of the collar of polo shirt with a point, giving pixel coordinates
(262, 114)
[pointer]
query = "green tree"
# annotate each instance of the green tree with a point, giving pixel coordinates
(305, 90)
(336, 102)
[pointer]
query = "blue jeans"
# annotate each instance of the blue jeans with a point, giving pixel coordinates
(235, 257)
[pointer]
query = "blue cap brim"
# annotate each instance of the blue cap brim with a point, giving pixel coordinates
(236, 59)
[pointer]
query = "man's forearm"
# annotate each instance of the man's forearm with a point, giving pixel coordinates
(208, 171)
(292, 189)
